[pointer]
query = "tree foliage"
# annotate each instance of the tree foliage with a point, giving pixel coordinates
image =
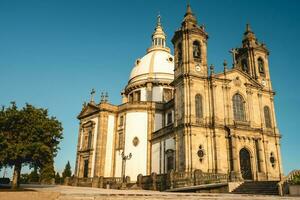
(58, 178)
(28, 136)
(67, 171)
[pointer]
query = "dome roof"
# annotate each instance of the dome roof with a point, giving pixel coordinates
(156, 64)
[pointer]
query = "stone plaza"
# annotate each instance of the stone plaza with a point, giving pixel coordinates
(38, 192)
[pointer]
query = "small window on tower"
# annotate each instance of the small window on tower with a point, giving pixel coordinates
(261, 67)
(245, 65)
(169, 118)
(196, 49)
(179, 51)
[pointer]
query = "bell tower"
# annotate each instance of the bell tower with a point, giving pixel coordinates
(190, 47)
(252, 58)
(190, 78)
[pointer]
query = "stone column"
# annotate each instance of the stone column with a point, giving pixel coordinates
(235, 174)
(261, 156)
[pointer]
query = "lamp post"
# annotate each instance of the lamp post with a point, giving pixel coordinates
(124, 159)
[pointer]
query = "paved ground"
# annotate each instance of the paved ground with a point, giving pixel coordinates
(84, 193)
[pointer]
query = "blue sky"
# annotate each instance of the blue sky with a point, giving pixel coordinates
(53, 52)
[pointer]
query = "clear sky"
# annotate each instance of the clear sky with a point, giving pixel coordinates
(53, 52)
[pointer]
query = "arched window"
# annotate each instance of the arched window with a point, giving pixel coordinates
(261, 66)
(198, 106)
(238, 107)
(267, 117)
(196, 49)
(245, 65)
(179, 51)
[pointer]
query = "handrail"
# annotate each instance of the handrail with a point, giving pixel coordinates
(283, 184)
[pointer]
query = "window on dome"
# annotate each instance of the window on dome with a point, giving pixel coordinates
(137, 96)
(196, 49)
(130, 97)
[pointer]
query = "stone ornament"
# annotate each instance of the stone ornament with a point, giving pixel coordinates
(135, 141)
(201, 153)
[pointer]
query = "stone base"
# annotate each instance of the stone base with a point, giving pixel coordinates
(235, 176)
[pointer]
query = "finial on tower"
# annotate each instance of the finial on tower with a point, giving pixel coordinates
(188, 9)
(158, 20)
(92, 96)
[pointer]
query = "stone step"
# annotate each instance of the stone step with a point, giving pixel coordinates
(258, 187)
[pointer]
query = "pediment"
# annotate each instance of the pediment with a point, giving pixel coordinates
(87, 110)
(236, 73)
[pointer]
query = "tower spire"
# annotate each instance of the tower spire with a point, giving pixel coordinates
(189, 16)
(158, 37)
(249, 36)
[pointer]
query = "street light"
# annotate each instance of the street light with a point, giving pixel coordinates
(124, 159)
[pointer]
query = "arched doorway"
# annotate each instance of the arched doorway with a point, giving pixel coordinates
(245, 164)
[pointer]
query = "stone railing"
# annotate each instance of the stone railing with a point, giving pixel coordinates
(284, 183)
(98, 182)
(179, 179)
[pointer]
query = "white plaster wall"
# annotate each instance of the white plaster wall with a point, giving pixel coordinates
(94, 145)
(109, 146)
(118, 164)
(136, 125)
(158, 121)
(157, 93)
(155, 157)
(143, 94)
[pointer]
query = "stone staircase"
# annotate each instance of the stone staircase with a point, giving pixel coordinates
(258, 187)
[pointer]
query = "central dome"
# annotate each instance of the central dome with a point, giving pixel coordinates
(158, 63)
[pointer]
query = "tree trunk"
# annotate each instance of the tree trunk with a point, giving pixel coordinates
(16, 176)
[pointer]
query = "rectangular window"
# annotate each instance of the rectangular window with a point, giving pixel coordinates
(137, 96)
(120, 142)
(169, 118)
(121, 120)
(86, 168)
(89, 139)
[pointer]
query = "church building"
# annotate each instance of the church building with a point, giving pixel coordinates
(178, 114)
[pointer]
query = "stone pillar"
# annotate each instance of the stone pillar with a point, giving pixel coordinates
(139, 181)
(235, 174)
(154, 180)
(101, 182)
(95, 182)
(171, 178)
(261, 156)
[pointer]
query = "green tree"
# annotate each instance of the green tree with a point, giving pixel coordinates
(34, 176)
(24, 178)
(67, 171)
(47, 173)
(57, 178)
(30, 137)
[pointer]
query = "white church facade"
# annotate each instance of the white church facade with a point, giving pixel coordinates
(178, 114)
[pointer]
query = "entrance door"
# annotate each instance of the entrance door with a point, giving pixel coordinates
(245, 164)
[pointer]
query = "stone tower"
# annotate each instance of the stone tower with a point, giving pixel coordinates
(191, 90)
